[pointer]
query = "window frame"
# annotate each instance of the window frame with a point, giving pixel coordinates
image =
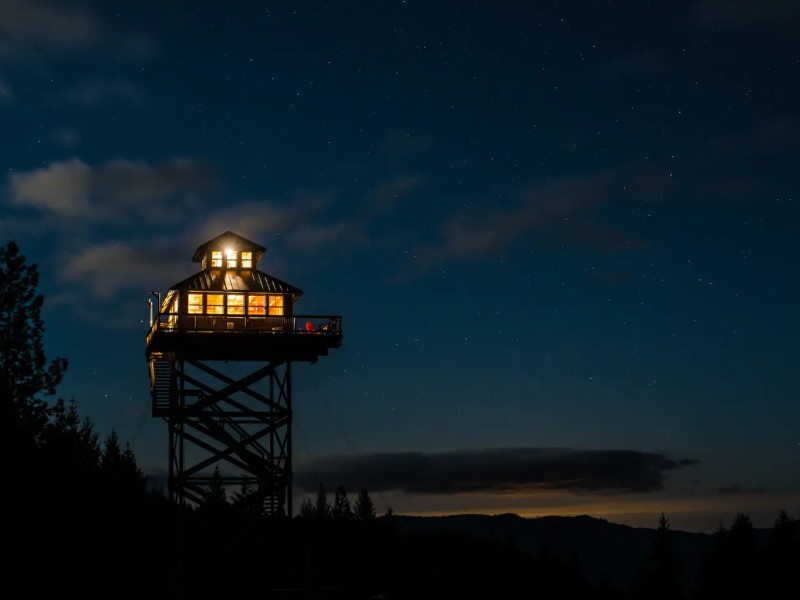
(231, 259)
(220, 306)
(199, 307)
(279, 305)
(225, 304)
(251, 305)
(229, 306)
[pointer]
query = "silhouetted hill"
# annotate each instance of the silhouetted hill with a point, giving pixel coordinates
(605, 550)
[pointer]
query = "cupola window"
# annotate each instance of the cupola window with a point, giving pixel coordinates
(247, 260)
(230, 255)
(216, 259)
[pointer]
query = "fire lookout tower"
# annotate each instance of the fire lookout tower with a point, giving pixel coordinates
(229, 315)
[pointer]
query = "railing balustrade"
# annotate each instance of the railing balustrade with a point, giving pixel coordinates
(295, 325)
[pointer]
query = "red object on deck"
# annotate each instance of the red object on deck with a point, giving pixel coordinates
(309, 326)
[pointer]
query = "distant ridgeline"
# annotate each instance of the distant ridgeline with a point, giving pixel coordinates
(605, 550)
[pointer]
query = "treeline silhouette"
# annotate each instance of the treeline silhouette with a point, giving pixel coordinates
(80, 521)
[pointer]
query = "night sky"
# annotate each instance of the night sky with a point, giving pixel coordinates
(563, 236)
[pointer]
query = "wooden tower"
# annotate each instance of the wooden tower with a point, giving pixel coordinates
(219, 353)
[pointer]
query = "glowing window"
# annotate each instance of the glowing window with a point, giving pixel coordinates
(256, 305)
(216, 259)
(235, 304)
(173, 314)
(195, 304)
(247, 260)
(214, 304)
(276, 305)
(231, 256)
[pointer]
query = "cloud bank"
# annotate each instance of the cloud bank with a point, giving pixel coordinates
(507, 470)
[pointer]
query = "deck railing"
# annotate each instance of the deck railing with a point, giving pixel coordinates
(270, 324)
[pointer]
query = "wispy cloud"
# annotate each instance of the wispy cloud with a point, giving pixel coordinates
(303, 220)
(55, 27)
(511, 470)
(62, 187)
(107, 268)
(112, 192)
(45, 24)
(562, 209)
(387, 193)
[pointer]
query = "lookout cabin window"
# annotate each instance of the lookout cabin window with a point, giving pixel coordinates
(195, 304)
(216, 259)
(214, 304)
(235, 304)
(256, 304)
(276, 305)
(230, 255)
(173, 313)
(247, 260)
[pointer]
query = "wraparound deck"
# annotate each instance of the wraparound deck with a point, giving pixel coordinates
(231, 337)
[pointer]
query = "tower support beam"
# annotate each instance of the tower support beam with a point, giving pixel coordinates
(228, 431)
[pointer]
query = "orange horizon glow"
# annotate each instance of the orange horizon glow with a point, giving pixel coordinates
(701, 514)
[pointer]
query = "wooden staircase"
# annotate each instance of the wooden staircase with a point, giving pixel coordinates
(162, 386)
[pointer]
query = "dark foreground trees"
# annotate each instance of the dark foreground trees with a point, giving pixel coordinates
(739, 565)
(68, 499)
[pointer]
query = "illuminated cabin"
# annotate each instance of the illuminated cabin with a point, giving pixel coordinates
(232, 311)
(226, 313)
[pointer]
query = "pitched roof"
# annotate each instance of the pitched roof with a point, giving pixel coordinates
(212, 280)
(229, 239)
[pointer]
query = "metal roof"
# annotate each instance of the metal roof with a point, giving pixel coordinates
(229, 280)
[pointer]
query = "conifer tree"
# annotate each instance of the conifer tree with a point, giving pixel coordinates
(661, 575)
(783, 538)
(306, 509)
(240, 498)
(364, 508)
(710, 581)
(743, 558)
(341, 505)
(781, 556)
(25, 374)
(122, 479)
(217, 495)
(70, 451)
(322, 508)
(134, 480)
(111, 459)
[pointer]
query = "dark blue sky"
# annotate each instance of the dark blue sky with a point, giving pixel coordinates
(555, 230)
